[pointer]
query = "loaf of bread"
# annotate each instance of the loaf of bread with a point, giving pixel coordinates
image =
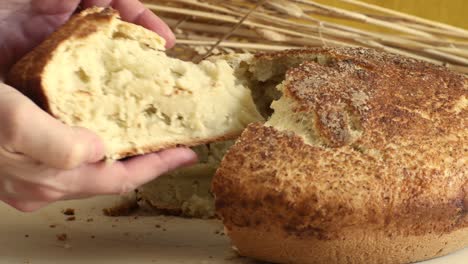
(364, 160)
(114, 78)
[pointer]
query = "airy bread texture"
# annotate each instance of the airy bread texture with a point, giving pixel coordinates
(115, 79)
(364, 160)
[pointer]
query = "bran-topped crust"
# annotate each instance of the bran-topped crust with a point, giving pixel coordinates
(389, 155)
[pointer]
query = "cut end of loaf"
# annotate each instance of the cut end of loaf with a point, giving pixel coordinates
(119, 83)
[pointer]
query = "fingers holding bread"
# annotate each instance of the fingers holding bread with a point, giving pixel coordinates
(43, 160)
(135, 12)
(125, 176)
(28, 130)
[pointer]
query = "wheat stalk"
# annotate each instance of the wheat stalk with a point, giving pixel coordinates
(232, 44)
(411, 18)
(233, 20)
(236, 26)
(367, 19)
(272, 25)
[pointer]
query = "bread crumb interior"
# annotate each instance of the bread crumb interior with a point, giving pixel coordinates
(135, 95)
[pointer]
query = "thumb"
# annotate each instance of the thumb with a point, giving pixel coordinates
(29, 130)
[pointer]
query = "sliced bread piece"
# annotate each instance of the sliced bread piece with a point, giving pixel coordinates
(115, 79)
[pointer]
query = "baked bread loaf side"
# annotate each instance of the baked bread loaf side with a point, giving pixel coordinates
(364, 160)
(114, 78)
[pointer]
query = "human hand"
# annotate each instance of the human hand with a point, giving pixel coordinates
(25, 23)
(41, 159)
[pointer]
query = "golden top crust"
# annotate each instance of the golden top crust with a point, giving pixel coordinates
(385, 95)
(392, 150)
(26, 74)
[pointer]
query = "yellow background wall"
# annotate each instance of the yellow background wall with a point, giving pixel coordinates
(454, 12)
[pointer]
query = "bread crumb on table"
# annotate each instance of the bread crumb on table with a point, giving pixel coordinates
(62, 237)
(68, 211)
(123, 208)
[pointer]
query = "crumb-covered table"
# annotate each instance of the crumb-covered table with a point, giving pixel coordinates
(78, 232)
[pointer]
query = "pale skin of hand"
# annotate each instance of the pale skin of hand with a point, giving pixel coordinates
(41, 159)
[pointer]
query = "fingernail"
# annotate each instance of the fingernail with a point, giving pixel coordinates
(96, 147)
(170, 39)
(166, 33)
(97, 151)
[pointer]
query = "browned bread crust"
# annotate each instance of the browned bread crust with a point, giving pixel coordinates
(355, 245)
(386, 180)
(187, 143)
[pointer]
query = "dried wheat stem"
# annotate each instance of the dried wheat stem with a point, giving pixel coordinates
(305, 27)
(226, 18)
(418, 26)
(440, 42)
(208, 6)
(361, 36)
(272, 35)
(211, 22)
(401, 42)
(236, 26)
(286, 7)
(250, 35)
(448, 57)
(395, 40)
(432, 30)
(366, 19)
(268, 47)
(210, 28)
(380, 46)
(232, 44)
(455, 51)
(191, 12)
(462, 69)
(409, 17)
